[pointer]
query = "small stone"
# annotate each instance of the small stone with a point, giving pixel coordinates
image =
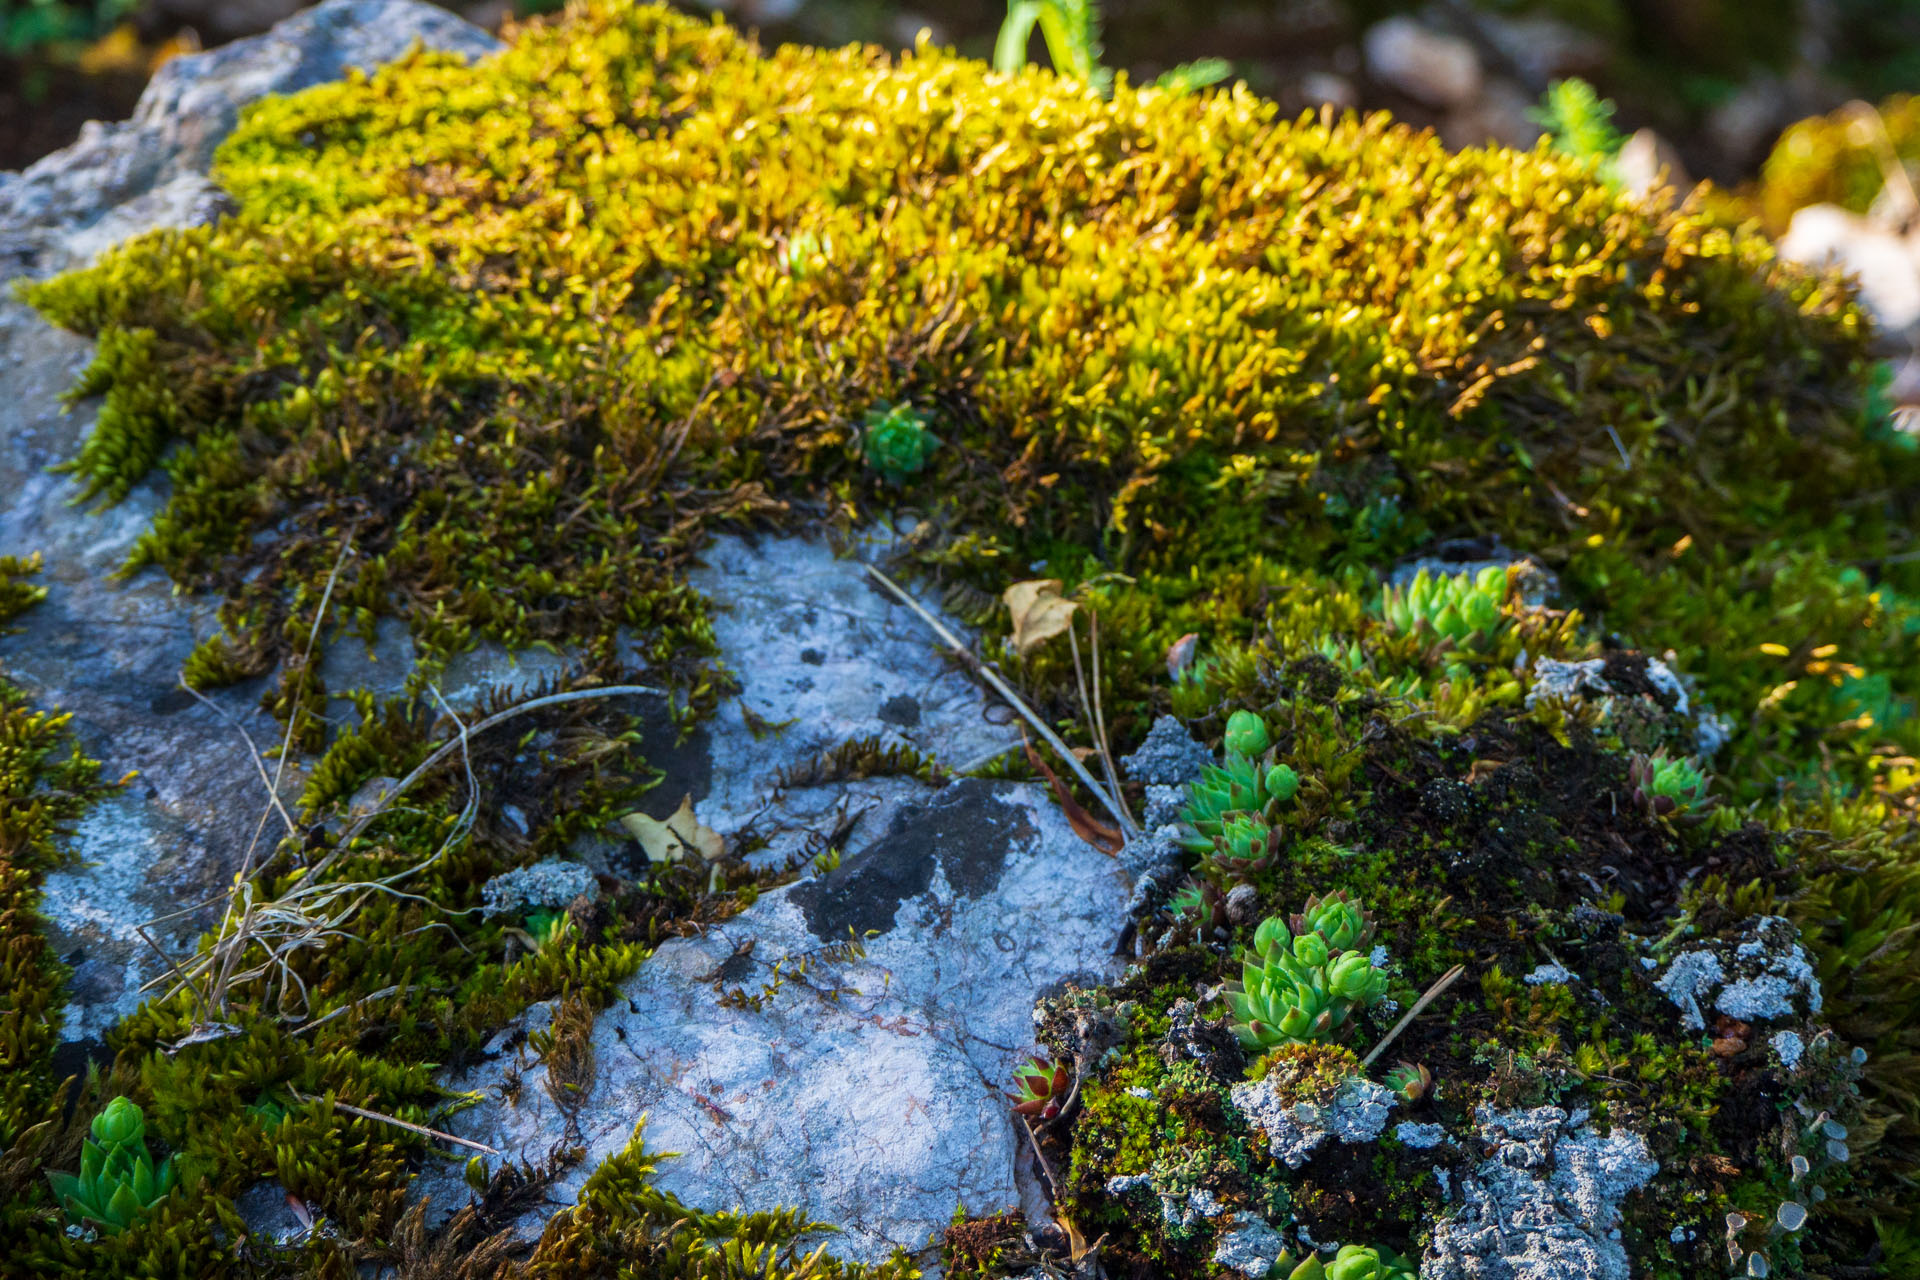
(1243, 904)
(1827, 236)
(1648, 162)
(1438, 70)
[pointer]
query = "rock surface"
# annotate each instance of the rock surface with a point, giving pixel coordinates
(1428, 66)
(108, 650)
(866, 1091)
(150, 171)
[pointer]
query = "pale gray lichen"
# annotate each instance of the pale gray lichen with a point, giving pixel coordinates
(549, 884)
(1765, 976)
(1690, 979)
(1544, 1204)
(1420, 1136)
(1251, 1247)
(1357, 1113)
(1546, 973)
(1788, 1047)
(1168, 757)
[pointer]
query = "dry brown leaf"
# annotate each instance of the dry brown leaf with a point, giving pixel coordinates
(1180, 654)
(1039, 611)
(1107, 839)
(674, 839)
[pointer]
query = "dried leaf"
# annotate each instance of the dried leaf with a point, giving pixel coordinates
(1039, 611)
(1180, 654)
(1107, 839)
(674, 839)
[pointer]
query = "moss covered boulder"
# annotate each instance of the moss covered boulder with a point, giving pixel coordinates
(1500, 592)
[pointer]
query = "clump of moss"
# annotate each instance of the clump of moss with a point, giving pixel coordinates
(1214, 367)
(1840, 158)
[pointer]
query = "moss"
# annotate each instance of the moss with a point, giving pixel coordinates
(506, 343)
(1837, 158)
(46, 785)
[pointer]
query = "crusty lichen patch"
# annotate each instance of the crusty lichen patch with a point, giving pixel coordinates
(521, 334)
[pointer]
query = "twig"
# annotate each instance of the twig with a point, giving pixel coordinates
(1433, 993)
(365, 1114)
(218, 991)
(1039, 1155)
(1100, 715)
(347, 1008)
(447, 748)
(1001, 687)
(253, 752)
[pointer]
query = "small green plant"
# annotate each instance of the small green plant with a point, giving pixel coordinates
(1238, 787)
(1451, 607)
(1246, 844)
(1195, 902)
(1042, 1088)
(1355, 1262)
(548, 927)
(1579, 123)
(1071, 29)
(1300, 989)
(804, 253)
(1409, 1083)
(1664, 784)
(118, 1183)
(896, 442)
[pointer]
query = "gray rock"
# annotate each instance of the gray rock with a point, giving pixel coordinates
(118, 179)
(109, 651)
(1428, 66)
(1544, 1205)
(1500, 115)
(866, 1091)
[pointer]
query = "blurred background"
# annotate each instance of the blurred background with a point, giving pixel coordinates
(1753, 94)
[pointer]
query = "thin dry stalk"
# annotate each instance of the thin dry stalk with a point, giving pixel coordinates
(459, 743)
(397, 1122)
(1100, 714)
(1001, 687)
(1433, 993)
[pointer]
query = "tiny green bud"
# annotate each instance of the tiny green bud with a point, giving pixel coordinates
(1282, 783)
(1246, 734)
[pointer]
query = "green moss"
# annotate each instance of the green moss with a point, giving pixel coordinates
(46, 784)
(506, 343)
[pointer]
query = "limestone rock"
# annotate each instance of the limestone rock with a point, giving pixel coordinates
(120, 179)
(1426, 65)
(1885, 264)
(110, 651)
(865, 1091)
